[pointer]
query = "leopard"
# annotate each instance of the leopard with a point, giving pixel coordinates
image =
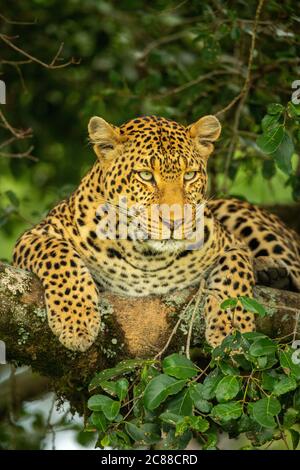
(147, 162)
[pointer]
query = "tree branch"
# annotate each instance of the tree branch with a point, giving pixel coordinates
(51, 65)
(132, 327)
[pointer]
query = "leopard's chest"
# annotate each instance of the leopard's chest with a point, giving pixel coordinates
(137, 275)
(131, 268)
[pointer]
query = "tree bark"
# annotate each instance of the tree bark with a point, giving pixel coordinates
(132, 327)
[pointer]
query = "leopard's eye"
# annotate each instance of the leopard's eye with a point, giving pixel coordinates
(146, 175)
(106, 146)
(189, 175)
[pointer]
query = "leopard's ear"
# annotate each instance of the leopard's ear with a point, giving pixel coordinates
(205, 131)
(103, 135)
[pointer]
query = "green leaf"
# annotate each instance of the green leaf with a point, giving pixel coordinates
(196, 423)
(138, 392)
(229, 303)
(227, 388)
(95, 402)
(85, 438)
(235, 342)
(105, 442)
(285, 385)
(159, 388)
(227, 411)
(211, 440)
(251, 305)
(228, 369)
(3, 219)
(181, 427)
(268, 169)
(266, 362)
(170, 418)
(268, 380)
(210, 384)
(271, 139)
(109, 387)
(260, 436)
(197, 396)
(296, 399)
(122, 388)
(120, 440)
(295, 436)
(290, 417)
(179, 366)
(264, 411)
(99, 420)
(203, 405)
(253, 336)
(286, 359)
(262, 347)
(103, 403)
(293, 110)
(176, 443)
(123, 367)
(243, 362)
(275, 108)
(13, 198)
(147, 433)
(148, 372)
(246, 424)
(182, 404)
(283, 154)
(269, 121)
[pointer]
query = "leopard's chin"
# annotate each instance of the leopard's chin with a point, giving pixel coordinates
(167, 245)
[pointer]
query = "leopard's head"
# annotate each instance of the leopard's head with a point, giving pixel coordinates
(158, 168)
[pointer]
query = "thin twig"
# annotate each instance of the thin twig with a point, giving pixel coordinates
(193, 82)
(295, 332)
(159, 42)
(7, 142)
(241, 97)
(198, 298)
(246, 85)
(19, 134)
(51, 65)
(26, 154)
(15, 62)
(173, 332)
(8, 21)
(234, 140)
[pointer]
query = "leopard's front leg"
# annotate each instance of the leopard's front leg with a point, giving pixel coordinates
(231, 277)
(71, 294)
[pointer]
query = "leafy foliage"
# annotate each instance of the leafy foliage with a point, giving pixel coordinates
(251, 385)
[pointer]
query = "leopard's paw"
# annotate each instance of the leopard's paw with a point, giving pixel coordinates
(272, 273)
(216, 330)
(76, 331)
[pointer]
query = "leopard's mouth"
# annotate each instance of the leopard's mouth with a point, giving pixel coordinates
(167, 245)
(173, 244)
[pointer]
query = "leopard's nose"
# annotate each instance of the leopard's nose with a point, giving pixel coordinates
(166, 222)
